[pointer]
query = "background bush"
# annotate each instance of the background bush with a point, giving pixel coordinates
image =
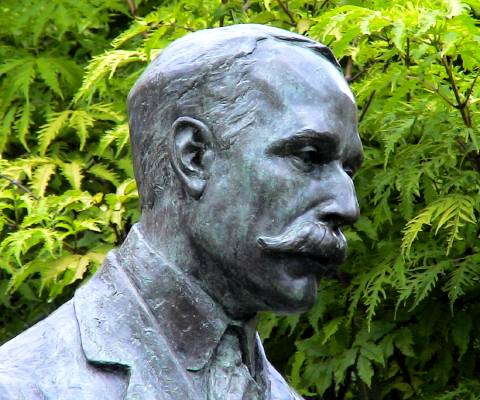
(402, 320)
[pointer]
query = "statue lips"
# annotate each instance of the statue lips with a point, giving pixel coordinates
(319, 242)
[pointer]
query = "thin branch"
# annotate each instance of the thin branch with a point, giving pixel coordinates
(116, 232)
(446, 99)
(462, 106)
(475, 160)
(408, 61)
(360, 73)
(132, 7)
(222, 18)
(246, 5)
(19, 185)
(470, 89)
(400, 359)
(342, 391)
(287, 11)
(448, 69)
(356, 76)
(348, 69)
(68, 247)
(325, 2)
(434, 89)
(470, 156)
(173, 25)
(407, 64)
(181, 27)
(367, 105)
(363, 389)
(10, 222)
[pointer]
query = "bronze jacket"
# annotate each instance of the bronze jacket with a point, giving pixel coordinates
(123, 337)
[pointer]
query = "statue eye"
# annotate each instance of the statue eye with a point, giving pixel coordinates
(306, 158)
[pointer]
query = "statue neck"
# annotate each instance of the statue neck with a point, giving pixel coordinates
(167, 236)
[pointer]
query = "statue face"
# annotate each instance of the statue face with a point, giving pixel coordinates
(271, 212)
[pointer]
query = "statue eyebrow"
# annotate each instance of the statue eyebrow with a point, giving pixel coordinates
(324, 141)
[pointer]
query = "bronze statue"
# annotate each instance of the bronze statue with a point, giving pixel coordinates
(244, 143)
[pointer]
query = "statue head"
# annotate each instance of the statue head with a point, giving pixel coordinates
(244, 142)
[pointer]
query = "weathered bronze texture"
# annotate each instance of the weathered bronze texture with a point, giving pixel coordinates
(244, 142)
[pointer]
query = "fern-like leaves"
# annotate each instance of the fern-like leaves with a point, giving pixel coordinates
(104, 66)
(49, 131)
(450, 213)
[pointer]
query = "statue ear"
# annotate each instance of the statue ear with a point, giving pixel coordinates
(191, 153)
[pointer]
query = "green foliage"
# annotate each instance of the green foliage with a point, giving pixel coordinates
(401, 320)
(65, 200)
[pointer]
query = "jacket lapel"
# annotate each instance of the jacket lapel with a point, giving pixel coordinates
(117, 328)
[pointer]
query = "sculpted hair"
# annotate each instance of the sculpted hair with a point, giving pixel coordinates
(202, 75)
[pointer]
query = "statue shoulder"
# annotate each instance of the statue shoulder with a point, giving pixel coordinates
(14, 388)
(38, 354)
(43, 338)
(47, 361)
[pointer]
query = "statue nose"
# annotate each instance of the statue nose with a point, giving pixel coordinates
(344, 212)
(342, 209)
(350, 212)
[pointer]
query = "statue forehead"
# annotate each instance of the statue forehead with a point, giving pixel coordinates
(307, 91)
(269, 65)
(298, 73)
(210, 48)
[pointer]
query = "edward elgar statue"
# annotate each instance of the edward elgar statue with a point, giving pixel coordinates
(244, 143)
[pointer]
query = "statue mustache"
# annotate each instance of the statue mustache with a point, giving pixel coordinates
(312, 238)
